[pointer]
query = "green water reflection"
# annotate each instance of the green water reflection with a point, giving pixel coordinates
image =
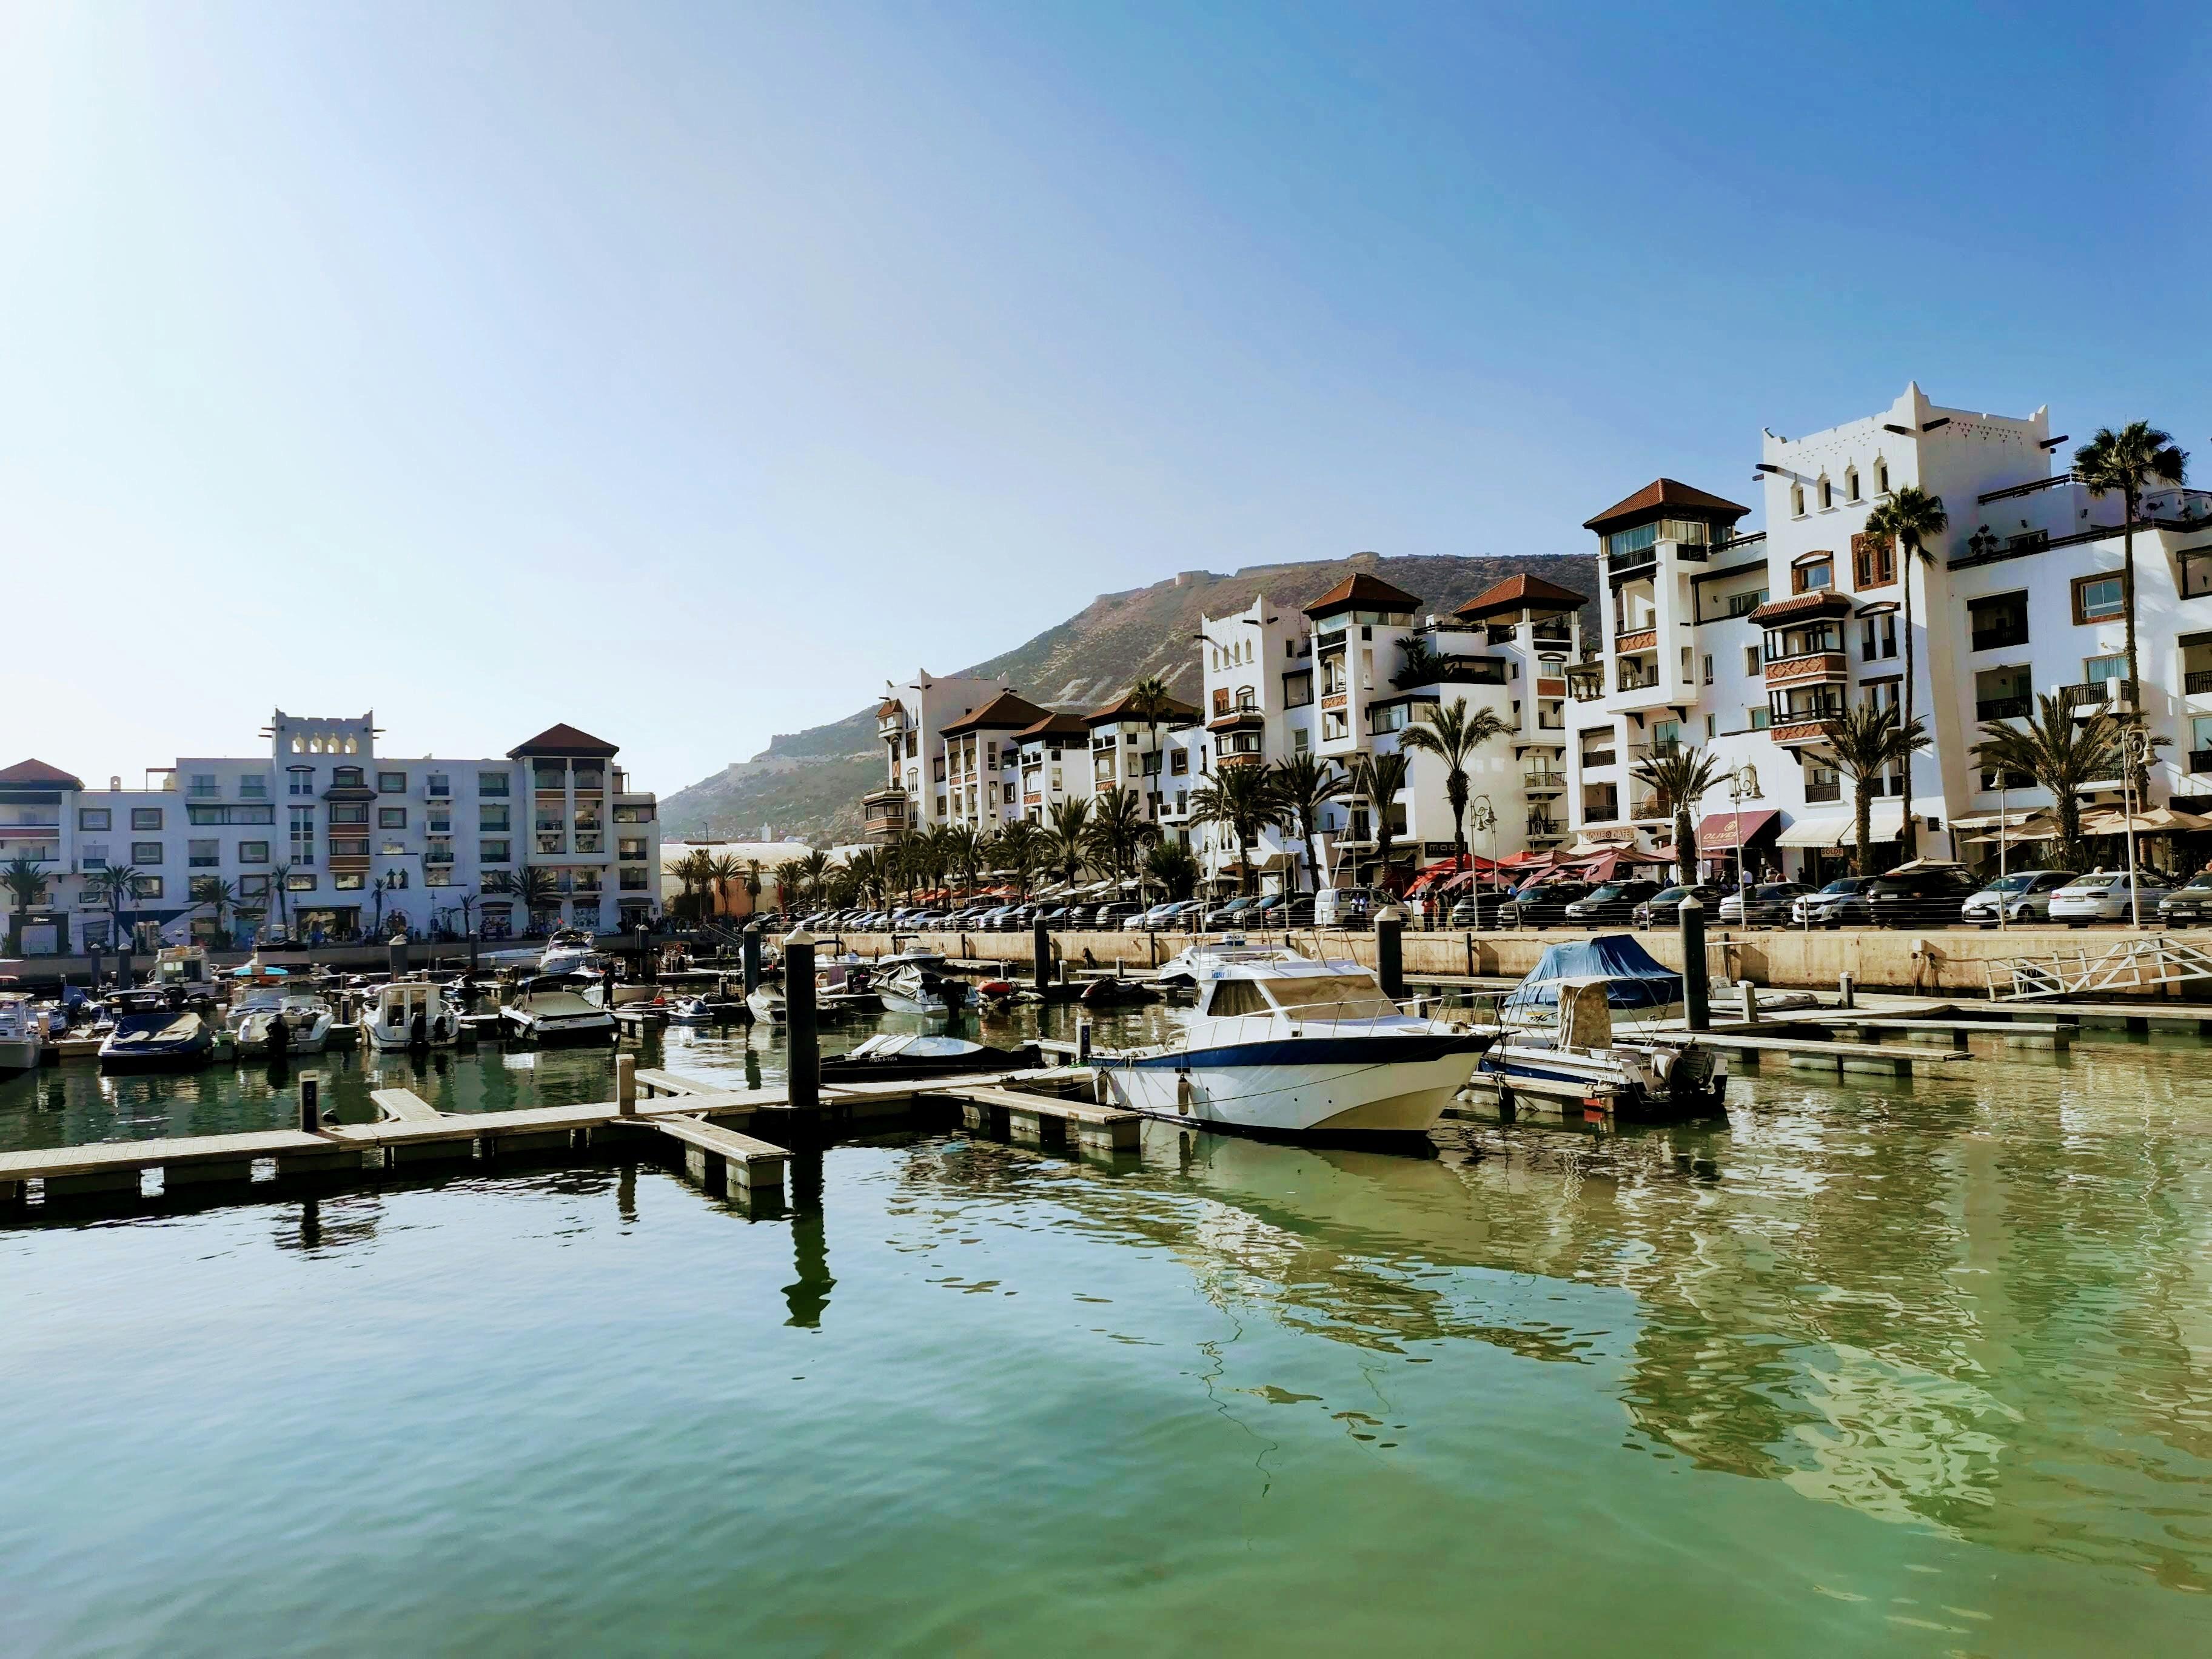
(1925, 1367)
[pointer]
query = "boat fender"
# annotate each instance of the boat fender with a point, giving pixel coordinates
(1182, 1093)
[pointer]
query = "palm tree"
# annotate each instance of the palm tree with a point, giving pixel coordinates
(1866, 744)
(1171, 864)
(1678, 777)
(1067, 842)
(280, 883)
(1241, 798)
(2123, 462)
(118, 883)
(376, 928)
(1420, 663)
(1014, 849)
(816, 867)
(1453, 734)
(1909, 519)
(1380, 777)
(1118, 828)
(1150, 702)
(1304, 786)
(790, 876)
(2062, 754)
(27, 884)
(533, 886)
(218, 895)
(724, 871)
(964, 850)
(752, 883)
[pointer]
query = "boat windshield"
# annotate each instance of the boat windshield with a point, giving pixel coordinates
(1336, 996)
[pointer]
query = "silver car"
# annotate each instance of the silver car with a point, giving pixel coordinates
(2023, 896)
(2104, 897)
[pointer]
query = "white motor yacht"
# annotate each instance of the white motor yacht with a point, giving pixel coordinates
(550, 1009)
(21, 1035)
(918, 980)
(767, 1004)
(570, 950)
(400, 1005)
(1283, 1044)
(307, 1025)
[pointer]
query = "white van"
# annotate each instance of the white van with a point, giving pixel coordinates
(1347, 907)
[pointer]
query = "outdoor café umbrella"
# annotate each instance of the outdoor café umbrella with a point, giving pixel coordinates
(2156, 821)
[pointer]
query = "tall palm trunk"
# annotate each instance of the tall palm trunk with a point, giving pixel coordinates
(1909, 831)
(1686, 852)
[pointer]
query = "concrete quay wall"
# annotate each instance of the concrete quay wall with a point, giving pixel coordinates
(1939, 961)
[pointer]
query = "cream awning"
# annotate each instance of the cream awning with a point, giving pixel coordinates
(1824, 830)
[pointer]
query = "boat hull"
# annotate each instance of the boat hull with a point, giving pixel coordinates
(1353, 1088)
(1626, 1090)
(18, 1054)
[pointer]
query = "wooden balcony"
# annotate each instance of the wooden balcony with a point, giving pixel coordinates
(1645, 639)
(1815, 666)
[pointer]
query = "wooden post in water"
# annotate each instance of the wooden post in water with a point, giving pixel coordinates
(1748, 994)
(751, 951)
(626, 1085)
(803, 1044)
(1040, 954)
(1390, 951)
(1846, 991)
(311, 1092)
(1696, 1016)
(1082, 1040)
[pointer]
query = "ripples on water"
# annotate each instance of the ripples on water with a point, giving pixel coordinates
(1920, 1367)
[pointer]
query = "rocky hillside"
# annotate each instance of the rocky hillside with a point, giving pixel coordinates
(808, 785)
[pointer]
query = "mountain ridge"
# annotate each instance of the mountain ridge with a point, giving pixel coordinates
(807, 784)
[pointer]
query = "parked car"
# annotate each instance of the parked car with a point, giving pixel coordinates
(1347, 907)
(1483, 908)
(1615, 901)
(1541, 904)
(1932, 897)
(1769, 903)
(1229, 915)
(1664, 907)
(1841, 904)
(2023, 896)
(2184, 906)
(2104, 896)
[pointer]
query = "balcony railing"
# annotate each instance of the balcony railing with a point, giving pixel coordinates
(1595, 757)
(1629, 682)
(204, 792)
(1542, 777)
(1651, 806)
(2002, 637)
(2198, 684)
(2092, 693)
(1816, 793)
(2002, 709)
(1601, 811)
(2200, 760)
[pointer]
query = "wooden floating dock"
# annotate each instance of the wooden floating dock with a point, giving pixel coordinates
(1812, 1054)
(1027, 1118)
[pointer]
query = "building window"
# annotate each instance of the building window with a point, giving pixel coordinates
(1298, 688)
(145, 817)
(350, 812)
(1797, 500)
(391, 783)
(303, 835)
(1301, 740)
(1751, 663)
(439, 875)
(1828, 493)
(1874, 560)
(145, 852)
(1877, 637)
(253, 852)
(494, 852)
(1851, 483)
(203, 855)
(633, 811)
(441, 786)
(253, 788)
(491, 818)
(352, 883)
(94, 817)
(630, 847)
(391, 818)
(253, 887)
(1813, 572)
(350, 847)
(299, 881)
(1883, 693)
(1881, 477)
(146, 887)
(492, 784)
(1179, 763)
(347, 777)
(1757, 718)
(203, 786)
(2096, 599)
(299, 779)
(1709, 668)
(2094, 670)
(230, 815)
(1336, 724)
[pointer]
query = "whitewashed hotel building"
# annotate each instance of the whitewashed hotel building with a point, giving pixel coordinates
(307, 833)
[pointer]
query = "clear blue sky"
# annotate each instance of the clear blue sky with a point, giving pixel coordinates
(404, 356)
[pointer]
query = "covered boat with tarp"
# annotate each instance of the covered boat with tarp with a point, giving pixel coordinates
(1557, 1041)
(1634, 979)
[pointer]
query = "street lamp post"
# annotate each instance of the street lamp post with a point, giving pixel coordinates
(2135, 745)
(1743, 785)
(1485, 817)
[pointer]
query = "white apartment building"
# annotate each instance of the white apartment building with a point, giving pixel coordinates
(910, 724)
(1747, 643)
(1129, 751)
(1052, 755)
(322, 829)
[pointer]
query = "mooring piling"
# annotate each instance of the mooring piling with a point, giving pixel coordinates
(752, 957)
(802, 1040)
(1390, 951)
(1696, 1016)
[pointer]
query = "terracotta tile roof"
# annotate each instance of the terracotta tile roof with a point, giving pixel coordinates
(1008, 711)
(1363, 590)
(563, 740)
(1520, 592)
(1173, 711)
(1657, 495)
(888, 707)
(36, 775)
(1055, 725)
(1826, 602)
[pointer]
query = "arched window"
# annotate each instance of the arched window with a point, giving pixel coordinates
(1851, 483)
(1828, 493)
(1881, 477)
(1797, 500)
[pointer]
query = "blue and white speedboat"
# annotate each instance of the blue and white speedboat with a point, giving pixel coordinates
(1282, 1044)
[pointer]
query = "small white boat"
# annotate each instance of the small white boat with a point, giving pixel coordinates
(766, 1005)
(918, 981)
(1283, 1044)
(570, 950)
(307, 1020)
(550, 1009)
(1557, 1040)
(250, 1005)
(21, 1035)
(410, 1013)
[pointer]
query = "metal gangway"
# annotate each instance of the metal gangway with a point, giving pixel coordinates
(2139, 964)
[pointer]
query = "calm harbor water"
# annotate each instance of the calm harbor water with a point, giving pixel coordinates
(1915, 1367)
